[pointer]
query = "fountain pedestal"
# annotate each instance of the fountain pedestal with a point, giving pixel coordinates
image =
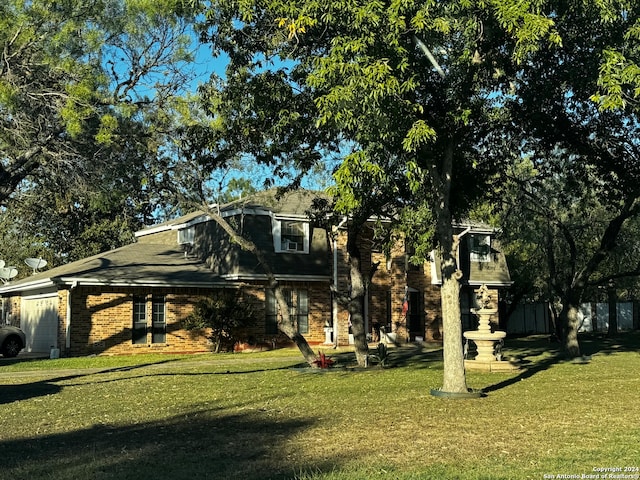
(486, 340)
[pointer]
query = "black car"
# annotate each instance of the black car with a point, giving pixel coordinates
(12, 340)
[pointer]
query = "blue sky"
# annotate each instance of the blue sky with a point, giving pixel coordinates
(205, 65)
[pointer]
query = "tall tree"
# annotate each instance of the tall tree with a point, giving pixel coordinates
(366, 73)
(63, 217)
(72, 73)
(574, 113)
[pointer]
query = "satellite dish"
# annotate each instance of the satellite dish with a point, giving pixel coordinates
(35, 263)
(8, 273)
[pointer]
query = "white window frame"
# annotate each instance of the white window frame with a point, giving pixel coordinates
(186, 235)
(277, 236)
(477, 256)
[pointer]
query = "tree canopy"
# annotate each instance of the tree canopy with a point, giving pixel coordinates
(74, 73)
(572, 114)
(408, 84)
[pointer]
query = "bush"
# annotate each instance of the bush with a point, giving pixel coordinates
(225, 314)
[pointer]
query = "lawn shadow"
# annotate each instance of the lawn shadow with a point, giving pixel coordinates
(24, 391)
(203, 444)
(528, 370)
(16, 393)
(417, 355)
(526, 349)
(600, 343)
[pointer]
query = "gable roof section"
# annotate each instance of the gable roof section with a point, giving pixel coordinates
(162, 264)
(494, 273)
(291, 204)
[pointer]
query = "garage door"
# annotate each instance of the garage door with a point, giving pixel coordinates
(39, 320)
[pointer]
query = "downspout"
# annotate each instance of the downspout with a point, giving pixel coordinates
(67, 332)
(334, 300)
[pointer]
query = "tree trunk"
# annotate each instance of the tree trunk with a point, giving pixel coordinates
(556, 324)
(613, 311)
(356, 300)
(454, 380)
(454, 376)
(570, 320)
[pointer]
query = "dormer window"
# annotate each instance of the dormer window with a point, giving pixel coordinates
(480, 248)
(291, 236)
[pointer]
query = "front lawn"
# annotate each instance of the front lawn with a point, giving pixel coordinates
(259, 416)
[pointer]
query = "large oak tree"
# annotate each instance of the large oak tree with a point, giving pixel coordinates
(574, 114)
(408, 84)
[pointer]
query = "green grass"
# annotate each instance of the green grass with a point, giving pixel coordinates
(259, 416)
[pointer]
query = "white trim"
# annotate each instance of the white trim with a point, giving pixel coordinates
(40, 295)
(67, 333)
(246, 211)
(173, 226)
(24, 287)
(478, 283)
(262, 277)
(94, 282)
(474, 228)
(190, 223)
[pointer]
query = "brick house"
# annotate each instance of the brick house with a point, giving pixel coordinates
(134, 298)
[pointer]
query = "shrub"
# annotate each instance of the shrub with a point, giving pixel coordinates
(225, 314)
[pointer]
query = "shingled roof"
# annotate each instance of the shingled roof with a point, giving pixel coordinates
(159, 264)
(132, 265)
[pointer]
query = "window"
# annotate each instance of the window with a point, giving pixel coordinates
(299, 309)
(139, 319)
(291, 236)
(271, 311)
(186, 235)
(158, 320)
(298, 302)
(480, 248)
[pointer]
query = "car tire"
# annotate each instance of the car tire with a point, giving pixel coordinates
(11, 346)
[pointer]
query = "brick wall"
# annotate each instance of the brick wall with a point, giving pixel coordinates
(102, 319)
(387, 289)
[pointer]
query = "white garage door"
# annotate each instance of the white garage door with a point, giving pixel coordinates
(39, 320)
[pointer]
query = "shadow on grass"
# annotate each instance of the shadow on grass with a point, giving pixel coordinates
(590, 344)
(16, 393)
(526, 372)
(600, 343)
(40, 388)
(205, 444)
(414, 355)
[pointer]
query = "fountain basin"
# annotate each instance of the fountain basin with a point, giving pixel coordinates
(485, 341)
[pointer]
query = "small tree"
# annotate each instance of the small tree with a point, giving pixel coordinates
(225, 314)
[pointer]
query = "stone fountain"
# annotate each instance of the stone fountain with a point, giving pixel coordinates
(485, 339)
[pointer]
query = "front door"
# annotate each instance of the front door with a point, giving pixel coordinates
(415, 320)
